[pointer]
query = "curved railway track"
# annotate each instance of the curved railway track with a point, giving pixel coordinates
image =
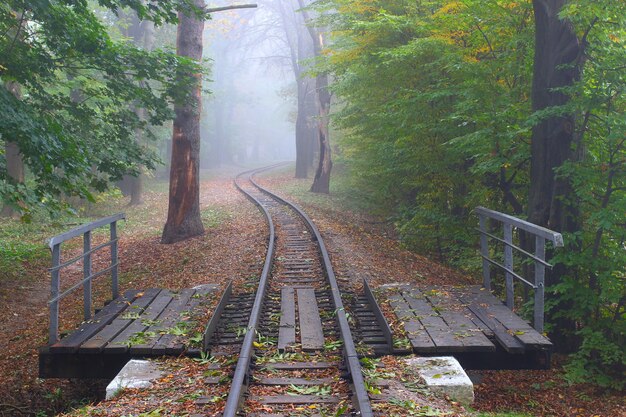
(295, 325)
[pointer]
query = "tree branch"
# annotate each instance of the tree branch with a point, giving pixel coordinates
(234, 6)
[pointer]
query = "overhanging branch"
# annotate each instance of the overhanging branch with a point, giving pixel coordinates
(234, 6)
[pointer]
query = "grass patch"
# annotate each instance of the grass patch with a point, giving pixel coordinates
(212, 217)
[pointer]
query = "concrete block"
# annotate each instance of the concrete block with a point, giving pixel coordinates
(135, 374)
(444, 375)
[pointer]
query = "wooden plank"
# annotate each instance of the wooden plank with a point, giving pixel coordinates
(457, 318)
(294, 381)
(215, 318)
(97, 343)
(510, 343)
(287, 328)
(71, 342)
(120, 343)
(294, 399)
(514, 324)
(301, 365)
(420, 340)
(166, 321)
(311, 333)
(171, 344)
(437, 328)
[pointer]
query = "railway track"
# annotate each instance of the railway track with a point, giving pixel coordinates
(296, 352)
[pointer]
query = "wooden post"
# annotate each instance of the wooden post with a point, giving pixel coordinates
(87, 275)
(484, 250)
(114, 262)
(54, 293)
(540, 271)
(508, 263)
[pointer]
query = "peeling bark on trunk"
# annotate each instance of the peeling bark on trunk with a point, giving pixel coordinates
(183, 217)
(551, 201)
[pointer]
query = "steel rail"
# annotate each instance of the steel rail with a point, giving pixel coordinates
(351, 356)
(245, 354)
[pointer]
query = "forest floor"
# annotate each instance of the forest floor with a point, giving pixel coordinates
(361, 247)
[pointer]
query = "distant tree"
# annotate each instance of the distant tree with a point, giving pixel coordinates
(300, 48)
(142, 35)
(321, 181)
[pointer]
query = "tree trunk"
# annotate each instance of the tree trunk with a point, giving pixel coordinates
(321, 182)
(183, 216)
(15, 170)
(556, 53)
(551, 201)
(142, 33)
(311, 130)
(14, 161)
(302, 143)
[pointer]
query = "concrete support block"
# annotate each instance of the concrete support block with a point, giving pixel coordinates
(444, 375)
(135, 374)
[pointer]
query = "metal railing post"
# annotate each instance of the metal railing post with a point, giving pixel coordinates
(484, 250)
(55, 289)
(114, 264)
(539, 257)
(540, 272)
(87, 275)
(508, 263)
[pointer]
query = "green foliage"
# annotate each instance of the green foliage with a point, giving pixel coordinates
(432, 121)
(436, 119)
(74, 116)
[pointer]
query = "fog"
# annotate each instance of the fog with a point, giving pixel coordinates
(250, 114)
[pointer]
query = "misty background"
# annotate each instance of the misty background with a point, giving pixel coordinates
(250, 113)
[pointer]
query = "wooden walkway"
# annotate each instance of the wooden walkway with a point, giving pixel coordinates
(467, 321)
(153, 322)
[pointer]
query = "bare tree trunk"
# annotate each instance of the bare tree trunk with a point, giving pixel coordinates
(15, 170)
(551, 201)
(183, 217)
(321, 182)
(15, 163)
(302, 145)
(142, 33)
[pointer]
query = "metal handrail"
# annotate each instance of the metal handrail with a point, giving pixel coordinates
(55, 246)
(541, 235)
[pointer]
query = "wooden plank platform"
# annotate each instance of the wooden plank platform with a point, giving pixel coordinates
(148, 323)
(464, 320)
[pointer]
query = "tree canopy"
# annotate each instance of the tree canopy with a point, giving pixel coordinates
(438, 116)
(74, 121)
